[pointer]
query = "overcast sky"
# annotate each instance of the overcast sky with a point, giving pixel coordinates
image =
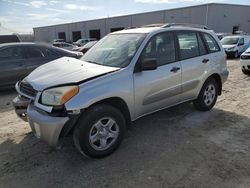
(23, 15)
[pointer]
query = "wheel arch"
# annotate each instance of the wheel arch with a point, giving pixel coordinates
(218, 80)
(118, 103)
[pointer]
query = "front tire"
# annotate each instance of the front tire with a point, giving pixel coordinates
(99, 131)
(207, 96)
(245, 71)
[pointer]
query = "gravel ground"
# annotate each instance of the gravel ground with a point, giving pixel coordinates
(178, 147)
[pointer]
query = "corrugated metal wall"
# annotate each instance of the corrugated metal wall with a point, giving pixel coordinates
(219, 17)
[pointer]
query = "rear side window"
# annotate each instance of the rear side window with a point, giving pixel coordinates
(188, 44)
(34, 52)
(162, 48)
(12, 53)
(211, 43)
(50, 52)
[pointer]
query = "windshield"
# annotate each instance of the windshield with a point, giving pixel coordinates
(115, 50)
(229, 41)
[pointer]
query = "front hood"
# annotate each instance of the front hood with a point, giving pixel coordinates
(65, 70)
(229, 46)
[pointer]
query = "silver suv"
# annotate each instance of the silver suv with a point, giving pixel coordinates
(126, 75)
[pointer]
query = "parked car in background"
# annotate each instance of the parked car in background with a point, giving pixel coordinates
(86, 47)
(245, 61)
(17, 60)
(222, 35)
(82, 42)
(58, 40)
(64, 45)
(127, 75)
(235, 45)
(9, 38)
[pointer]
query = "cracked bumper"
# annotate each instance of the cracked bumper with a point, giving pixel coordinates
(44, 126)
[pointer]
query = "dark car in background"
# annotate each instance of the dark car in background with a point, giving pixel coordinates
(17, 60)
(9, 38)
(85, 48)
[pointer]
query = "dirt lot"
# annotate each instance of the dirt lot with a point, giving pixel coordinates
(178, 147)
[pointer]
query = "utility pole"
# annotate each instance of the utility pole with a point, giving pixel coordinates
(207, 13)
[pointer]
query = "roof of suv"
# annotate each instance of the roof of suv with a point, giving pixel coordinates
(21, 44)
(155, 27)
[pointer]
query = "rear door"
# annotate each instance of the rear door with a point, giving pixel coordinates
(216, 55)
(160, 88)
(11, 65)
(195, 62)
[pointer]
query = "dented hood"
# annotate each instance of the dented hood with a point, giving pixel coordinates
(65, 70)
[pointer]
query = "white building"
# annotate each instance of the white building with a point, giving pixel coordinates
(219, 17)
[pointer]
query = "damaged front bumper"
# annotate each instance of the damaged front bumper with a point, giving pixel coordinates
(46, 127)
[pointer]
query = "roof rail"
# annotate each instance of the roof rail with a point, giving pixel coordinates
(185, 25)
(154, 25)
(133, 27)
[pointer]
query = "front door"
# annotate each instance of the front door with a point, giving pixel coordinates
(160, 88)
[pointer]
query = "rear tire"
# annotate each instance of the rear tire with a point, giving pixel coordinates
(99, 131)
(207, 96)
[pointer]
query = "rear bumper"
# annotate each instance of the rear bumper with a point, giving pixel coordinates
(224, 75)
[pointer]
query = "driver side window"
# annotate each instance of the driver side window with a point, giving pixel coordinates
(160, 47)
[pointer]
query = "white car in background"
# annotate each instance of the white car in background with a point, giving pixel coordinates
(235, 45)
(64, 45)
(82, 42)
(245, 61)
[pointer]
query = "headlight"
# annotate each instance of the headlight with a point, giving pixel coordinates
(59, 95)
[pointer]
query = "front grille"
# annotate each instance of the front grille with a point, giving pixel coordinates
(27, 89)
(245, 56)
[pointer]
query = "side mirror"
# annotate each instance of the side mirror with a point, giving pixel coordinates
(149, 64)
(240, 44)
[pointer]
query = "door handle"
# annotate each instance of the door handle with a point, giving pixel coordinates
(175, 69)
(205, 60)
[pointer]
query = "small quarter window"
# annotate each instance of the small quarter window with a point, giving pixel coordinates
(211, 43)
